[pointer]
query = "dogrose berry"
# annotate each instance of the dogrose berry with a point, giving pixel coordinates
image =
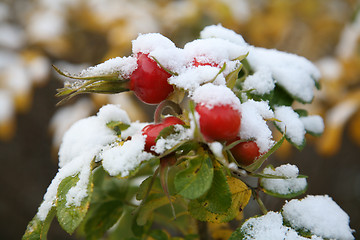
(152, 131)
(245, 153)
(149, 81)
(218, 123)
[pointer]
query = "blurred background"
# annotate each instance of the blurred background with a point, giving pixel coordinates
(74, 34)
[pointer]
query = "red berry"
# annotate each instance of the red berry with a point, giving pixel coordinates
(149, 81)
(151, 131)
(197, 63)
(219, 123)
(245, 153)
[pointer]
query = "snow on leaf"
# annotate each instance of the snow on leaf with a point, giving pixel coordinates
(320, 215)
(289, 187)
(297, 75)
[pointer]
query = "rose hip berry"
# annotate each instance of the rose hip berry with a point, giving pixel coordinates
(197, 63)
(149, 81)
(151, 131)
(219, 123)
(245, 153)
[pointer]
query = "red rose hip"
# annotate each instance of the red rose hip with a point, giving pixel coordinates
(152, 131)
(218, 123)
(245, 153)
(149, 81)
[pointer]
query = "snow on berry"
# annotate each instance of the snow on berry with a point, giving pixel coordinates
(295, 74)
(217, 50)
(162, 49)
(253, 125)
(291, 124)
(123, 66)
(122, 159)
(180, 134)
(319, 214)
(193, 77)
(211, 95)
(291, 184)
(218, 31)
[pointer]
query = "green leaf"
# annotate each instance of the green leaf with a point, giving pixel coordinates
(238, 234)
(70, 216)
(38, 229)
(301, 112)
(196, 179)
(232, 77)
(240, 196)
(104, 216)
(153, 202)
(165, 132)
(158, 234)
(281, 98)
(117, 126)
(218, 198)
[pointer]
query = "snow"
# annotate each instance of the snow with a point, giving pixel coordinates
(217, 50)
(261, 82)
(330, 68)
(120, 160)
(217, 149)
(218, 31)
(112, 112)
(291, 124)
(163, 144)
(295, 74)
(46, 26)
(340, 113)
(123, 66)
(290, 185)
(80, 145)
(193, 77)
(269, 227)
(319, 214)
(212, 95)
(11, 36)
(313, 124)
(66, 116)
(253, 125)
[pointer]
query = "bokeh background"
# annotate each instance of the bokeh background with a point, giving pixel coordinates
(74, 34)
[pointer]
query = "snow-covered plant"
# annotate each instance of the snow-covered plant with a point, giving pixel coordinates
(119, 179)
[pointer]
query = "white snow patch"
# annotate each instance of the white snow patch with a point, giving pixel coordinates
(319, 214)
(313, 124)
(123, 66)
(212, 95)
(146, 43)
(295, 74)
(81, 144)
(163, 144)
(291, 184)
(216, 50)
(253, 125)
(268, 227)
(218, 31)
(122, 159)
(112, 112)
(291, 123)
(193, 77)
(217, 149)
(261, 82)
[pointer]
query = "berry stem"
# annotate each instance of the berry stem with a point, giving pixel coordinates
(174, 107)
